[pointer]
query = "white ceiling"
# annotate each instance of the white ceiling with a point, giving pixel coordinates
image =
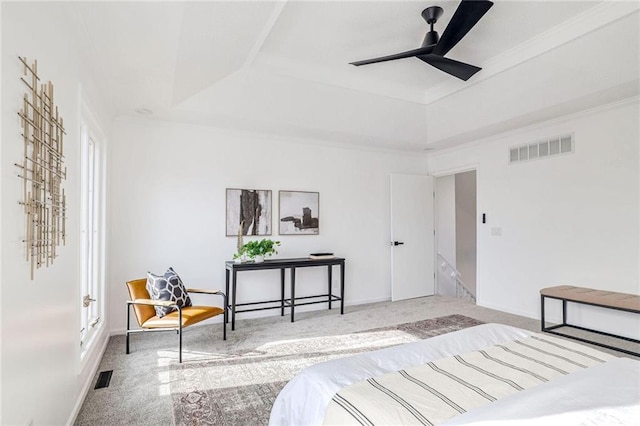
(281, 68)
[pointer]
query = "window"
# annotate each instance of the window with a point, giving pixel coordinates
(92, 268)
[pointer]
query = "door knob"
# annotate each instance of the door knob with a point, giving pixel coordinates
(398, 243)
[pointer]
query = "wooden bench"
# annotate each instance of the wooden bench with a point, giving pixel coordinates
(588, 296)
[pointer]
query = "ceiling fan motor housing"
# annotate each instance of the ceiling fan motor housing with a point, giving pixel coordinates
(430, 39)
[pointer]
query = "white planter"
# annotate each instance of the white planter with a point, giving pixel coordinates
(258, 259)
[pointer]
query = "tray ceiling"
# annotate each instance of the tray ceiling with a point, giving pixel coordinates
(282, 67)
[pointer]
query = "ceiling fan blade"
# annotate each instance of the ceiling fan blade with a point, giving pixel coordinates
(457, 69)
(408, 54)
(464, 18)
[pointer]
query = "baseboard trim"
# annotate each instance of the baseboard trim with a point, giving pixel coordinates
(97, 355)
(366, 301)
(118, 332)
(509, 311)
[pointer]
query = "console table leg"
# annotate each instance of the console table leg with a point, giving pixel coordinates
(342, 289)
(293, 292)
(226, 288)
(282, 292)
(329, 268)
(234, 280)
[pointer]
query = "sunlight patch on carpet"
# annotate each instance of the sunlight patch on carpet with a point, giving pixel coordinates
(240, 388)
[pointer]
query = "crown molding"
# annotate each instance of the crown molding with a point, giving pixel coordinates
(268, 137)
(598, 16)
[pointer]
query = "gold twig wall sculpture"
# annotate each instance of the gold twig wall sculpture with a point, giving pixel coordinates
(42, 170)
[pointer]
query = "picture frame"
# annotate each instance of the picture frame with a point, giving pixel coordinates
(250, 209)
(299, 213)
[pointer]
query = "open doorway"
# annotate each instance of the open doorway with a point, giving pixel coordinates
(456, 231)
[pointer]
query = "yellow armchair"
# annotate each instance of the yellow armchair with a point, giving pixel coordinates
(143, 307)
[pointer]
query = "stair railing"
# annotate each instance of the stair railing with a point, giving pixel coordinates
(461, 288)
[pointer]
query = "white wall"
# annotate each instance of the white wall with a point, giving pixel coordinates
(167, 208)
(445, 205)
(43, 380)
(569, 219)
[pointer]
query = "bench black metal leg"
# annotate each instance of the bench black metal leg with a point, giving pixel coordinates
(542, 321)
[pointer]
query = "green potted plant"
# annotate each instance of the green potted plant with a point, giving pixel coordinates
(257, 250)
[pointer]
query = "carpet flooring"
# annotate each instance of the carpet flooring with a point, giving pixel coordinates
(146, 383)
(240, 388)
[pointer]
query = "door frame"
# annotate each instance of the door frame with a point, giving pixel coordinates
(449, 172)
(455, 170)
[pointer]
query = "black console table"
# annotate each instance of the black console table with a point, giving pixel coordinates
(233, 268)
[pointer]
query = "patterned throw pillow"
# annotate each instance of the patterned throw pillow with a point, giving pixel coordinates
(167, 287)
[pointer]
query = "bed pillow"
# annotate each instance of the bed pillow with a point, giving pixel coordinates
(167, 287)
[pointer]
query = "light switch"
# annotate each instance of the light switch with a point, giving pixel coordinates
(496, 232)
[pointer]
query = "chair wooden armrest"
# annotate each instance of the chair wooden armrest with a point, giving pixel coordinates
(202, 291)
(152, 302)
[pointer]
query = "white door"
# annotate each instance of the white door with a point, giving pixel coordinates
(412, 237)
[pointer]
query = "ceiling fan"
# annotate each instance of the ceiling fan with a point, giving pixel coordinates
(434, 47)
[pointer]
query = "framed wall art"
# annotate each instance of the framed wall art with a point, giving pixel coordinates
(299, 213)
(42, 170)
(248, 210)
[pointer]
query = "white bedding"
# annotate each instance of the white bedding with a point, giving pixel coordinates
(607, 394)
(304, 399)
(433, 393)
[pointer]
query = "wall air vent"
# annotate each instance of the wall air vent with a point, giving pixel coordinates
(558, 145)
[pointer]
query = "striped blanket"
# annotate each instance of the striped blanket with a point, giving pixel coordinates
(432, 393)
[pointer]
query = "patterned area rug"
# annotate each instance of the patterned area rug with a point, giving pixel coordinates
(240, 388)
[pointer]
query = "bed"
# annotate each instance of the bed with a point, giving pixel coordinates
(480, 375)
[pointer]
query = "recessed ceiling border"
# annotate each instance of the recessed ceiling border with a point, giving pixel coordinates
(598, 16)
